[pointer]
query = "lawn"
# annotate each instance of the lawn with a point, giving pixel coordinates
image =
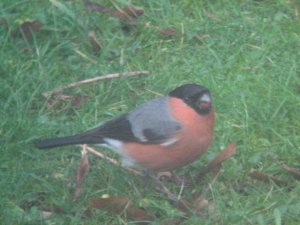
(246, 52)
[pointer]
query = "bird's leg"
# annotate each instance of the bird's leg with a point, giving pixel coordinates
(148, 175)
(172, 176)
(177, 199)
(181, 180)
(164, 176)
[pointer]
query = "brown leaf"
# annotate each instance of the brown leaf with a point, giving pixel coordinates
(116, 204)
(52, 208)
(224, 155)
(79, 99)
(266, 178)
(293, 171)
(168, 32)
(28, 28)
(123, 206)
(218, 160)
(58, 101)
(129, 12)
(82, 171)
(96, 46)
(90, 7)
(137, 214)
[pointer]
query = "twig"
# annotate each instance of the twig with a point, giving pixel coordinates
(266, 178)
(87, 81)
(112, 161)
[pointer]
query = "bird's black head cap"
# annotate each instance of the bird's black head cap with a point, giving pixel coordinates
(194, 95)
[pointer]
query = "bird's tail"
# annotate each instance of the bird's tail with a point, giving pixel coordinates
(56, 142)
(84, 138)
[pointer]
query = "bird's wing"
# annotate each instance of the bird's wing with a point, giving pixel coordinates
(152, 122)
(149, 123)
(118, 128)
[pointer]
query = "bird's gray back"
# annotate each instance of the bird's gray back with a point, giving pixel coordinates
(152, 121)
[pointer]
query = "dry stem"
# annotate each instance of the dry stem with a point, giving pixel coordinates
(87, 81)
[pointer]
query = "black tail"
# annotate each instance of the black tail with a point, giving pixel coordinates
(89, 137)
(118, 128)
(56, 142)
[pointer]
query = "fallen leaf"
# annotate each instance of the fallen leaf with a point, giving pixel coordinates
(137, 214)
(218, 160)
(128, 15)
(91, 6)
(123, 206)
(293, 171)
(79, 99)
(168, 32)
(52, 208)
(116, 204)
(28, 28)
(266, 178)
(96, 46)
(129, 12)
(58, 101)
(82, 172)
(224, 155)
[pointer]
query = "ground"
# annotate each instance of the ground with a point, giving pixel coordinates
(246, 52)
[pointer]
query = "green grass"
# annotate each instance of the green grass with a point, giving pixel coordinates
(250, 61)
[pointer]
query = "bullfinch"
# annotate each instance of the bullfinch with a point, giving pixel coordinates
(160, 135)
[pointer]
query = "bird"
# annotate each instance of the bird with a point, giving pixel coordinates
(160, 135)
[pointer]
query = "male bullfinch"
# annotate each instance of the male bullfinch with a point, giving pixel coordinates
(161, 135)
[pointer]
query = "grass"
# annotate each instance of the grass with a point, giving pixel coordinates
(250, 61)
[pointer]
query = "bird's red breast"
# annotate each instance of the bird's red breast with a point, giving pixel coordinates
(192, 140)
